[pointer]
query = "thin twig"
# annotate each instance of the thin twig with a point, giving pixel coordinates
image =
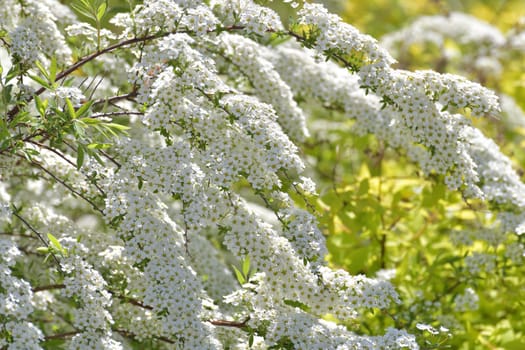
(38, 234)
(63, 183)
(61, 335)
(115, 114)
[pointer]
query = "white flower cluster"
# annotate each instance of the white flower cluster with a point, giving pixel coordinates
(169, 284)
(478, 263)
(270, 88)
(219, 117)
(215, 135)
(253, 18)
(468, 301)
(418, 123)
(334, 34)
(16, 304)
(87, 287)
(463, 28)
(166, 16)
(36, 33)
(479, 48)
(306, 332)
(419, 98)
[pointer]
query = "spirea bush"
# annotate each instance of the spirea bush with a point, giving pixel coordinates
(159, 167)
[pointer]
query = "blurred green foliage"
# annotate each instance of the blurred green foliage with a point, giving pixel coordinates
(379, 212)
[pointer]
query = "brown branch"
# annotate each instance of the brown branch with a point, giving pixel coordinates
(116, 114)
(117, 98)
(48, 287)
(225, 323)
(61, 335)
(129, 334)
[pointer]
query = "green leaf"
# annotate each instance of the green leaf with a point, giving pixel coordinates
(80, 155)
(84, 109)
(55, 243)
(6, 94)
(92, 146)
(246, 266)
(101, 11)
(53, 70)
(13, 72)
(41, 106)
(84, 10)
(295, 303)
(71, 109)
(40, 81)
(79, 129)
(239, 276)
(250, 339)
(90, 121)
(42, 70)
(42, 250)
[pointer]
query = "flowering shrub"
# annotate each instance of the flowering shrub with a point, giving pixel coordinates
(157, 188)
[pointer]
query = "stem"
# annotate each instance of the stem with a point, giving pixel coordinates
(48, 287)
(39, 235)
(37, 165)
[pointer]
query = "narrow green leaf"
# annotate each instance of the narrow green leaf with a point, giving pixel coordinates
(71, 109)
(101, 11)
(90, 121)
(4, 133)
(97, 157)
(98, 146)
(40, 107)
(40, 81)
(246, 266)
(239, 276)
(6, 94)
(54, 242)
(53, 70)
(118, 127)
(13, 72)
(79, 129)
(42, 250)
(250, 340)
(80, 155)
(84, 109)
(42, 70)
(84, 11)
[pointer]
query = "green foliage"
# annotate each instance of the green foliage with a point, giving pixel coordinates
(378, 212)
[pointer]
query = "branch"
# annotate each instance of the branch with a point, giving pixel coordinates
(115, 114)
(12, 113)
(61, 335)
(222, 323)
(48, 287)
(38, 234)
(129, 334)
(67, 186)
(117, 98)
